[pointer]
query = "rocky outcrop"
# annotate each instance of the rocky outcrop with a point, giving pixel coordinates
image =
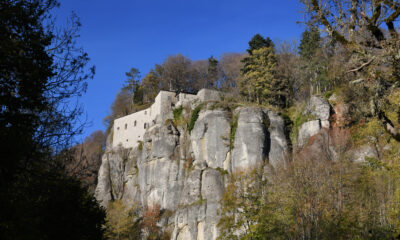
(185, 173)
(320, 110)
(210, 139)
(278, 140)
(307, 130)
(251, 140)
(359, 154)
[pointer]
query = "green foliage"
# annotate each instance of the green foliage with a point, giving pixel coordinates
(122, 223)
(257, 42)
(247, 211)
(133, 86)
(260, 83)
(313, 199)
(363, 133)
(328, 94)
(178, 117)
(222, 171)
(310, 43)
(193, 118)
(234, 125)
(296, 119)
(225, 105)
(212, 73)
(140, 145)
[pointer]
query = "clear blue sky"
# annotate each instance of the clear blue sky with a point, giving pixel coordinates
(121, 34)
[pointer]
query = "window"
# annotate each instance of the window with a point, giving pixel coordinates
(145, 112)
(134, 124)
(145, 126)
(127, 140)
(117, 128)
(126, 125)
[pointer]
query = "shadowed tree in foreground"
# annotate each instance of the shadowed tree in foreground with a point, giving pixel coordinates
(42, 72)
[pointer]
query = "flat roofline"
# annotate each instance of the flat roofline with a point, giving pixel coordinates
(179, 91)
(146, 109)
(167, 91)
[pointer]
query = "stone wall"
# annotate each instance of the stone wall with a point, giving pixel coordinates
(130, 129)
(185, 99)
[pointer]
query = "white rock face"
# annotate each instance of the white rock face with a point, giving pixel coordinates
(251, 140)
(210, 138)
(278, 140)
(307, 130)
(103, 189)
(159, 171)
(319, 108)
(360, 154)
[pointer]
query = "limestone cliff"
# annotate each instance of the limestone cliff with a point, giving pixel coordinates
(184, 172)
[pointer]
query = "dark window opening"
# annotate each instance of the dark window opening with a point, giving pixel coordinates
(134, 124)
(126, 125)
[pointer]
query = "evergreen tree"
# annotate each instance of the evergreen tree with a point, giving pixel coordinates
(260, 82)
(310, 43)
(133, 85)
(257, 42)
(151, 86)
(212, 73)
(314, 61)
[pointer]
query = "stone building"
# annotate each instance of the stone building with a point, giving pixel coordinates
(129, 130)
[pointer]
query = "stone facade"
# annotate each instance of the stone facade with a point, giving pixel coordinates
(129, 130)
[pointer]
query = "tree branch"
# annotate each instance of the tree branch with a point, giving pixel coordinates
(362, 66)
(326, 23)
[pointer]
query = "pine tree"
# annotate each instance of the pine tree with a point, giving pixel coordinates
(257, 42)
(212, 73)
(309, 43)
(260, 82)
(133, 85)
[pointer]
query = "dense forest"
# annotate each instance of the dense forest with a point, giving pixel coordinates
(349, 54)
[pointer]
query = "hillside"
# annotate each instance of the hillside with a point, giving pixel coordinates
(184, 172)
